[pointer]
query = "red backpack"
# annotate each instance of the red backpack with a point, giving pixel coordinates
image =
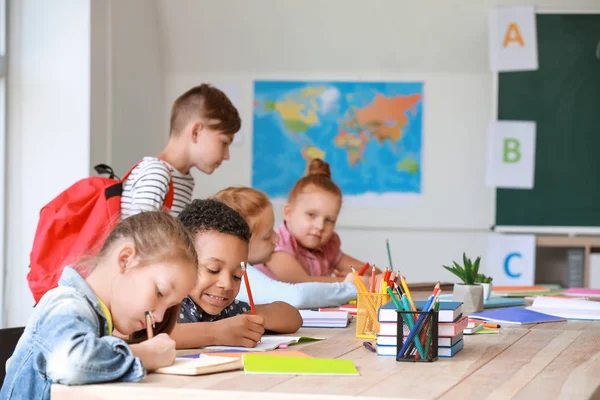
(75, 224)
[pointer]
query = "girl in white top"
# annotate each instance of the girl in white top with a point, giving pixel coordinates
(255, 207)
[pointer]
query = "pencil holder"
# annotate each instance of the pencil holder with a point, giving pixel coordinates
(367, 314)
(417, 336)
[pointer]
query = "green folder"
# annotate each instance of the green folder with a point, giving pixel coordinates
(266, 364)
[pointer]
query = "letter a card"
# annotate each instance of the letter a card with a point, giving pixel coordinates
(513, 39)
(511, 154)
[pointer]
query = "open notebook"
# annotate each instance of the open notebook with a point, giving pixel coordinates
(201, 366)
(267, 343)
(516, 316)
(567, 308)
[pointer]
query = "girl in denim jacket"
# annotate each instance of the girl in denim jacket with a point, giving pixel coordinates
(148, 263)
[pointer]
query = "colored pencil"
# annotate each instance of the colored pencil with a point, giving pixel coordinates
(247, 282)
(387, 245)
(149, 325)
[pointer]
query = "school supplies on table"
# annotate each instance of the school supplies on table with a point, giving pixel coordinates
(268, 343)
(485, 324)
(367, 323)
(201, 365)
(445, 351)
(421, 342)
(239, 354)
(385, 341)
(364, 269)
(451, 351)
(324, 319)
(515, 316)
(449, 311)
(567, 308)
(493, 301)
(369, 346)
(389, 253)
(473, 327)
(487, 331)
(531, 288)
(261, 364)
(445, 329)
(583, 292)
(350, 308)
(524, 291)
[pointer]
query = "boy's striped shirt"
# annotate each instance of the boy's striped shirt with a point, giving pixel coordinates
(148, 184)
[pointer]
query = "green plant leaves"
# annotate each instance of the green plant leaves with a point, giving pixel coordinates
(456, 271)
(469, 271)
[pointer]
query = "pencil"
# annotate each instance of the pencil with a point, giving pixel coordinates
(398, 290)
(247, 282)
(149, 325)
(364, 269)
(360, 286)
(373, 280)
(387, 244)
(407, 292)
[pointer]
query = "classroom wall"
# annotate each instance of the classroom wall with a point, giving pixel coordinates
(48, 124)
(138, 120)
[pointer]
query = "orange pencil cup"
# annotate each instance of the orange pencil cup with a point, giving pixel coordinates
(367, 313)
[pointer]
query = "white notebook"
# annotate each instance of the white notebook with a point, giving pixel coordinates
(567, 308)
(201, 365)
(324, 319)
(266, 343)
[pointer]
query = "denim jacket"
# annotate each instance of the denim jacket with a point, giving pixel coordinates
(66, 341)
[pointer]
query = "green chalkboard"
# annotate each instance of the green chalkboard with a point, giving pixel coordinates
(563, 97)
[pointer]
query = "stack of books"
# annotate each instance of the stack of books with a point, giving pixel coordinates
(325, 319)
(451, 323)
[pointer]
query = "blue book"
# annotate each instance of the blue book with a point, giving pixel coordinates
(493, 301)
(515, 316)
(449, 311)
(451, 351)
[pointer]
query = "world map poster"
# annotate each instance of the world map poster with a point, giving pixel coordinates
(370, 133)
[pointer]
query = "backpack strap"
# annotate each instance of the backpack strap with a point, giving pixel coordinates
(117, 188)
(102, 169)
(171, 193)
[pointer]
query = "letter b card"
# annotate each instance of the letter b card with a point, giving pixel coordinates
(511, 154)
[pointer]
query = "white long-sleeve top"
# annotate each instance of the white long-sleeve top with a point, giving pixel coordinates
(300, 295)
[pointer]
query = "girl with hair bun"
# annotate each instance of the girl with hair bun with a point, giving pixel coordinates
(308, 249)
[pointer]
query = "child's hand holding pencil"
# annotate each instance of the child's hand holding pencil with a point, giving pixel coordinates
(156, 352)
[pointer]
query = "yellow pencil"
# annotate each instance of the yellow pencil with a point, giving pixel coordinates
(405, 287)
(358, 282)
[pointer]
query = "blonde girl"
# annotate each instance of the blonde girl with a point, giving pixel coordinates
(147, 264)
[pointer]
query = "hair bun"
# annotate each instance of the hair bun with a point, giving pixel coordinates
(318, 167)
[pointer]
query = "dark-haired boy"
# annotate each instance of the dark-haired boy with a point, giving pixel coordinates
(211, 315)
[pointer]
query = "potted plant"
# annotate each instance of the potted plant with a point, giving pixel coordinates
(468, 292)
(486, 282)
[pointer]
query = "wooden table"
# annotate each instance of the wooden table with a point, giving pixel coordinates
(545, 361)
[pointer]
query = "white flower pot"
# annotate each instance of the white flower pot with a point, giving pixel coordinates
(487, 290)
(470, 295)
